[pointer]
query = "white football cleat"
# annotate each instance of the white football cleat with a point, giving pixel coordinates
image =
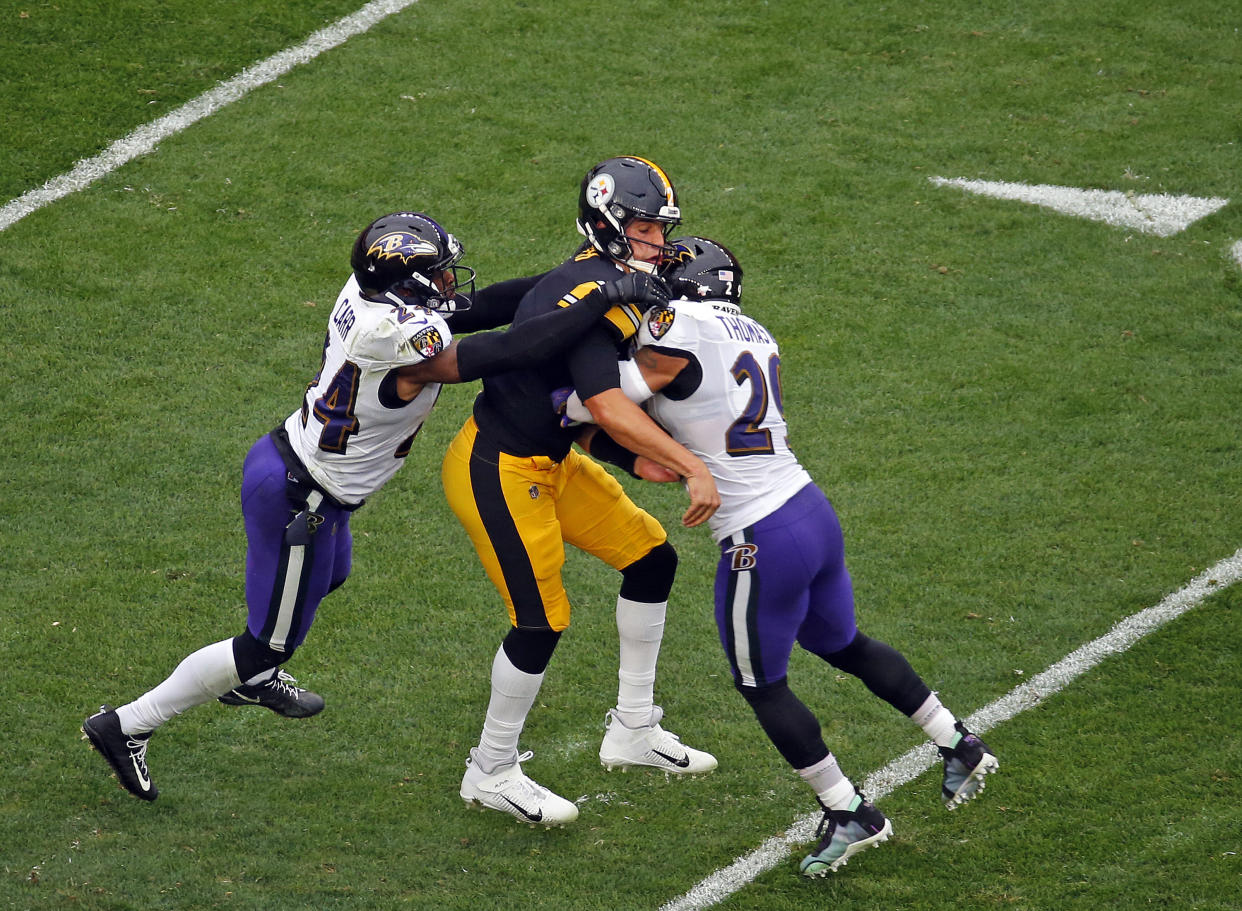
(510, 791)
(650, 746)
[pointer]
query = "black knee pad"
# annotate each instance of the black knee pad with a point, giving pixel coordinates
(253, 657)
(530, 650)
(649, 579)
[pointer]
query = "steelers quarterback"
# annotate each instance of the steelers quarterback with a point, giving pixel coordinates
(521, 492)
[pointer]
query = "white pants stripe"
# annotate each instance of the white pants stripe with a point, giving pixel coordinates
(289, 596)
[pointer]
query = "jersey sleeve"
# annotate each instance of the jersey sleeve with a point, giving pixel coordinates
(493, 306)
(622, 320)
(399, 338)
(528, 342)
(593, 364)
(661, 327)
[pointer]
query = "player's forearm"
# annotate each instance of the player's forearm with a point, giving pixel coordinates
(630, 426)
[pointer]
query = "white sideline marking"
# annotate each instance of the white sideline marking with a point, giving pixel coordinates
(724, 882)
(145, 138)
(1236, 250)
(1151, 214)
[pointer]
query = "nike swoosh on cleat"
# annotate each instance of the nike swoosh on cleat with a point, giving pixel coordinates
(681, 762)
(533, 817)
(138, 770)
(254, 699)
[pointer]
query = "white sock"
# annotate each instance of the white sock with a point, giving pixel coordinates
(199, 678)
(936, 721)
(829, 783)
(513, 694)
(640, 626)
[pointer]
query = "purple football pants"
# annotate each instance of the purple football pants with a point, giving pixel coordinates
(285, 583)
(780, 581)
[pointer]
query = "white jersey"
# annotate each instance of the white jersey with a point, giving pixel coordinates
(733, 421)
(353, 432)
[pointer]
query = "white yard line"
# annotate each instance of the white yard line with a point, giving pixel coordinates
(728, 880)
(1159, 214)
(145, 138)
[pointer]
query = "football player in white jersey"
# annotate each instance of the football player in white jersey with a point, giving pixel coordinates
(711, 376)
(388, 348)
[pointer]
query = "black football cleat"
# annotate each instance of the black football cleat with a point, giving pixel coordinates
(127, 754)
(281, 694)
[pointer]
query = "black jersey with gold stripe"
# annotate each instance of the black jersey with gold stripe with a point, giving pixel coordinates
(514, 410)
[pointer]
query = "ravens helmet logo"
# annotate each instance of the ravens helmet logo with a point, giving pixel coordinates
(400, 245)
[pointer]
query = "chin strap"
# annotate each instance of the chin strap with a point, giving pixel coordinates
(639, 266)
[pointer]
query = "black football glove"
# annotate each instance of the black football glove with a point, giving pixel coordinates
(638, 288)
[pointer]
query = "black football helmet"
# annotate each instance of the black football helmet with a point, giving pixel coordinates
(701, 269)
(400, 256)
(615, 192)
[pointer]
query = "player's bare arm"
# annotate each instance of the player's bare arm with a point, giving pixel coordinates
(643, 468)
(658, 369)
(630, 426)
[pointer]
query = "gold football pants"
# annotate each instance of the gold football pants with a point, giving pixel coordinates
(520, 512)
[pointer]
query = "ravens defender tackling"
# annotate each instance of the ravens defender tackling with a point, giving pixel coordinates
(712, 376)
(389, 345)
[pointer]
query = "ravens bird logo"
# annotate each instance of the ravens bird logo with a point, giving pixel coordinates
(400, 245)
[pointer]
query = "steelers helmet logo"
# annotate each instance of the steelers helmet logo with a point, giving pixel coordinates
(400, 245)
(600, 190)
(659, 321)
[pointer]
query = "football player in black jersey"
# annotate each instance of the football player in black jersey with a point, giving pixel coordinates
(522, 492)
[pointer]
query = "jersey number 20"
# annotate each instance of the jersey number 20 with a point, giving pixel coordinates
(746, 435)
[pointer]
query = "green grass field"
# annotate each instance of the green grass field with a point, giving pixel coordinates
(1028, 423)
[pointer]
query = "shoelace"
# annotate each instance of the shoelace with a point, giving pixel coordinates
(138, 750)
(826, 822)
(285, 683)
(662, 738)
(527, 784)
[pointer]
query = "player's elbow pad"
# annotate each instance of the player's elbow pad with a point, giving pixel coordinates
(633, 384)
